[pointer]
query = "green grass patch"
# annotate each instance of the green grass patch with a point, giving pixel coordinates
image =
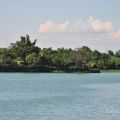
(110, 70)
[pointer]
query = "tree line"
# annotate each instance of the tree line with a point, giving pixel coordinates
(24, 55)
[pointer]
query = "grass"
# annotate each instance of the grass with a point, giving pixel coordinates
(110, 70)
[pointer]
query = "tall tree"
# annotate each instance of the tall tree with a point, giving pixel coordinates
(24, 47)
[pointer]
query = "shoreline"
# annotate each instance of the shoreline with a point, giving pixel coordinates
(103, 71)
(49, 71)
(57, 71)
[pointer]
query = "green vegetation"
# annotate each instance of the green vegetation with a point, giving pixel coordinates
(110, 70)
(25, 56)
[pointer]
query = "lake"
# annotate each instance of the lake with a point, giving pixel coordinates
(59, 96)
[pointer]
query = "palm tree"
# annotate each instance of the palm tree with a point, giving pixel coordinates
(24, 47)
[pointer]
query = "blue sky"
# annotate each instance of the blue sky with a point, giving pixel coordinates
(62, 23)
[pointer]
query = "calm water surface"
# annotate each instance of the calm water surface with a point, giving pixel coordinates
(52, 96)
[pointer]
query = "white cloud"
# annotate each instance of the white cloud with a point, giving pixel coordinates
(51, 26)
(97, 25)
(90, 26)
(77, 26)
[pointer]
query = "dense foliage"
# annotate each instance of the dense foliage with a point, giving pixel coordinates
(24, 55)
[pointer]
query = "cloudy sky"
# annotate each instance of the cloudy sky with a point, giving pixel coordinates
(62, 23)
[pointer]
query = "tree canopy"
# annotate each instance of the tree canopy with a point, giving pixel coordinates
(24, 54)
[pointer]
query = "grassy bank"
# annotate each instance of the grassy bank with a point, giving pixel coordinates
(110, 70)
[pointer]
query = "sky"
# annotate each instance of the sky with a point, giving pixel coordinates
(62, 23)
